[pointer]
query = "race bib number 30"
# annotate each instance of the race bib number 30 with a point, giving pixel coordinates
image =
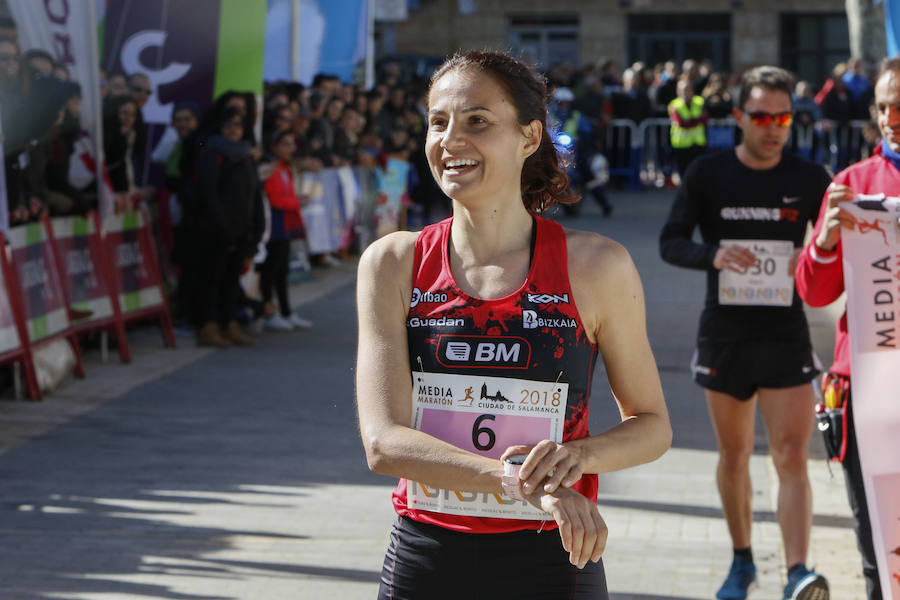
(484, 415)
(769, 282)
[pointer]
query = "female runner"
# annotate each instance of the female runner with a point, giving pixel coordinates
(477, 341)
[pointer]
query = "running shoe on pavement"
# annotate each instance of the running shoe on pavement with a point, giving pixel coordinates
(741, 579)
(804, 584)
(299, 322)
(278, 323)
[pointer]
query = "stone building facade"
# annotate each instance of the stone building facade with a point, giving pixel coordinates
(808, 36)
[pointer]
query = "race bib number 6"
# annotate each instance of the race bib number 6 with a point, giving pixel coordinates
(484, 415)
(769, 282)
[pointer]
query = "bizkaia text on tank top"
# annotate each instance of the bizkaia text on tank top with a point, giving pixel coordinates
(759, 213)
(426, 297)
(531, 320)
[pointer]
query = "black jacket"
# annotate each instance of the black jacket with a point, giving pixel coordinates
(229, 195)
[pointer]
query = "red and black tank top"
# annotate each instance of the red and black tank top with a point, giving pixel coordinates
(533, 336)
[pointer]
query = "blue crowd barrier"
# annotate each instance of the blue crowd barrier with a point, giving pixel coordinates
(642, 154)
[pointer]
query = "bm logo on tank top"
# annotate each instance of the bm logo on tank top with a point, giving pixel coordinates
(483, 351)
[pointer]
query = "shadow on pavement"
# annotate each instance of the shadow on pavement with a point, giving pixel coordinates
(759, 516)
(648, 597)
(142, 485)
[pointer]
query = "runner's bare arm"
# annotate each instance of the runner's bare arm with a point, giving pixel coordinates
(607, 291)
(384, 387)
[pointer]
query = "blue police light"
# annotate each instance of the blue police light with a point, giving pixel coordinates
(564, 139)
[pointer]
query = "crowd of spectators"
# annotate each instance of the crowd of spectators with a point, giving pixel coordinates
(642, 91)
(218, 168)
(219, 165)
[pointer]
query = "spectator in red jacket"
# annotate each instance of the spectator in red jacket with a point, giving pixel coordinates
(820, 280)
(286, 224)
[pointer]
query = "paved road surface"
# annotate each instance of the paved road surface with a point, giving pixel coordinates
(239, 474)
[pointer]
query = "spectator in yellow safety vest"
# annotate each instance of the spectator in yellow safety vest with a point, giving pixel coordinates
(688, 125)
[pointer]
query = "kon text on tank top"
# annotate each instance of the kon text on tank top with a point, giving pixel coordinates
(489, 374)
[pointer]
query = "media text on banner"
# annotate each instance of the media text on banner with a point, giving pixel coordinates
(871, 262)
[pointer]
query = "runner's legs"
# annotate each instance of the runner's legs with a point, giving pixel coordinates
(788, 413)
(733, 422)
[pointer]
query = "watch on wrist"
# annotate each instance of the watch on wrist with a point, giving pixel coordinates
(510, 479)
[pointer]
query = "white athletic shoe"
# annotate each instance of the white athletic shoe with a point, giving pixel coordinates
(299, 322)
(278, 323)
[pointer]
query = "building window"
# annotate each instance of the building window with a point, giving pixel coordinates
(812, 44)
(656, 38)
(544, 40)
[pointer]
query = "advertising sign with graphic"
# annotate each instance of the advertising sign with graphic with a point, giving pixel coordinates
(9, 334)
(769, 282)
(67, 30)
(391, 184)
(190, 51)
(306, 37)
(483, 415)
(81, 256)
(887, 509)
(131, 252)
(871, 261)
(331, 196)
(43, 298)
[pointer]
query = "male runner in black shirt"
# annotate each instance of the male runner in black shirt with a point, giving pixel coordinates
(752, 205)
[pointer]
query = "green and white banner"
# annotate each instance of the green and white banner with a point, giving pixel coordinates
(43, 298)
(133, 260)
(82, 257)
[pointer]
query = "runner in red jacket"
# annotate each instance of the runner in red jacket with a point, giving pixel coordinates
(820, 278)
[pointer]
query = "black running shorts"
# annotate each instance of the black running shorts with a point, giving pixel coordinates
(740, 368)
(427, 561)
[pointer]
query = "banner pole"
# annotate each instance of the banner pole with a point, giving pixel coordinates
(4, 198)
(370, 46)
(295, 36)
(892, 26)
(104, 197)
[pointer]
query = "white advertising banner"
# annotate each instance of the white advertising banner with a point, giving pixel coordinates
(871, 260)
(68, 31)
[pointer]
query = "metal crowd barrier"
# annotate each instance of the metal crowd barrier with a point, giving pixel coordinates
(845, 144)
(642, 153)
(623, 150)
(656, 162)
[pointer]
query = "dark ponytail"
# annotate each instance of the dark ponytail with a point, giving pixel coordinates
(544, 179)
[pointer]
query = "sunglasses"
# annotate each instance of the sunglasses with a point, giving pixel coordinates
(763, 119)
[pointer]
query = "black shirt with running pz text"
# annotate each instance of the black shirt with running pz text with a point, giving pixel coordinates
(730, 201)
